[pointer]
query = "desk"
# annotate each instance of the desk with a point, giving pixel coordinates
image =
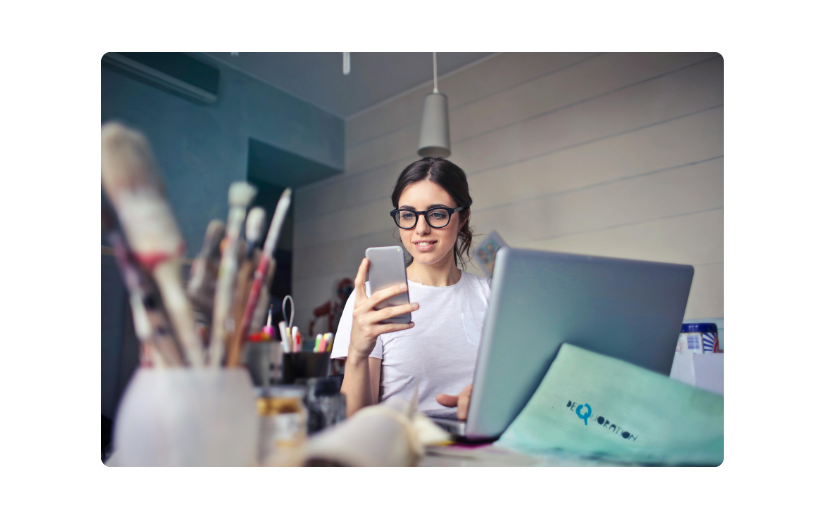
(483, 456)
(491, 455)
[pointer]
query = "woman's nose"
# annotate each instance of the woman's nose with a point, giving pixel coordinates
(422, 227)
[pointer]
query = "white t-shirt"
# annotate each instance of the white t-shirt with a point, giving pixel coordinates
(439, 351)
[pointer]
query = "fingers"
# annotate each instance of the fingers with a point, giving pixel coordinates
(464, 402)
(461, 401)
(446, 400)
(383, 295)
(360, 282)
(377, 297)
(393, 327)
(389, 312)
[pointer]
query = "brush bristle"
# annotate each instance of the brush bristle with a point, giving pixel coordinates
(215, 232)
(130, 178)
(241, 194)
(126, 161)
(254, 224)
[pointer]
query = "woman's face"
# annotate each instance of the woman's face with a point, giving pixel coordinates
(428, 245)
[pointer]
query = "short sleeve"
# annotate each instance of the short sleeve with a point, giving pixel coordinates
(340, 345)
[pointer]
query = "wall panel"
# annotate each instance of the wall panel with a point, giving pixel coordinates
(606, 154)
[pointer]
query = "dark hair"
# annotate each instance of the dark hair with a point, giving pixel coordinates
(452, 179)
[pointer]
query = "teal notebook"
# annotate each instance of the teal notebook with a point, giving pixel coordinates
(600, 407)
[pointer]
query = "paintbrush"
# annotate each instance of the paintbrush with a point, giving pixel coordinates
(254, 230)
(259, 314)
(263, 301)
(204, 277)
(130, 178)
(262, 274)
(162, 337)
(240, 196)
(157, 347)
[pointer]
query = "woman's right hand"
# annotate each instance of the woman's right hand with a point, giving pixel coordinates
(366, 319)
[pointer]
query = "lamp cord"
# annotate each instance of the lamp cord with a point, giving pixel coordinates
(435, 75)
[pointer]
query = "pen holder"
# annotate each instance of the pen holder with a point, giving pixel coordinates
(304, 364)
(256, 355)
(187, 417)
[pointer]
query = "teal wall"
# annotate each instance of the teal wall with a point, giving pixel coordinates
(201, 150)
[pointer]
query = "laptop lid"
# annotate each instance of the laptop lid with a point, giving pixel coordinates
(627, 309)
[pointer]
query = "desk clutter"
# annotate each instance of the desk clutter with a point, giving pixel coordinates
(213, 381)
(700, 359)
(207, 323)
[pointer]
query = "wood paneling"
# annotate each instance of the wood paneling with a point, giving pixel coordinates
(691, 239)
(606, 154)
(707, 294)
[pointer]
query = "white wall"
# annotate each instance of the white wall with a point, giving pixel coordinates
(607, 154)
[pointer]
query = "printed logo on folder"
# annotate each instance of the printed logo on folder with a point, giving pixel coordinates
(584, 411)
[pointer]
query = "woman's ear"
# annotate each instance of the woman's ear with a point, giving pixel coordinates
(466, 217)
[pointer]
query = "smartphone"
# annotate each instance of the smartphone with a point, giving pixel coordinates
(387, 269)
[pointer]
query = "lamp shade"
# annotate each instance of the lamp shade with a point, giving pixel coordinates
(435, 127)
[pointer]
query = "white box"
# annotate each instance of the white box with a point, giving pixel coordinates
(705, 371)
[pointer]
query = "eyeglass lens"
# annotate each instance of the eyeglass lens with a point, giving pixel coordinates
(436, 218)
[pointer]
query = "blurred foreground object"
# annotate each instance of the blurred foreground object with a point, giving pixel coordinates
(187, 418)
(204, 277)
(389, 434)
(283, 421)
(130, 177)
(326, 404)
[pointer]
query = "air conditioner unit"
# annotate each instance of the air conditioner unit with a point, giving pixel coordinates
(171, 71)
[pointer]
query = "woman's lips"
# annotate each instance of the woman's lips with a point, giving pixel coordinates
(424, 246)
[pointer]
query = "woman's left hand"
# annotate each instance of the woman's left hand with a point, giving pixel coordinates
(462, 401)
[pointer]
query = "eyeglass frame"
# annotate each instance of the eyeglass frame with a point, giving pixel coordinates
(449, 210)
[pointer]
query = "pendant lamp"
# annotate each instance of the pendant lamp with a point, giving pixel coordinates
(435, 126)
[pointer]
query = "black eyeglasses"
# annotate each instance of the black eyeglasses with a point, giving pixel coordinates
(436, 218)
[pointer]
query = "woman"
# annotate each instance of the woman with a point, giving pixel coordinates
(439, 348)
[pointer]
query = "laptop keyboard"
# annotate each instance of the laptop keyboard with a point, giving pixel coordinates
(449, 415)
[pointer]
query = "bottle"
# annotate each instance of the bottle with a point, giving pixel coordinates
(283, 424)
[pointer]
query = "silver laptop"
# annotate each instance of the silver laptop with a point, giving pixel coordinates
(627, 309)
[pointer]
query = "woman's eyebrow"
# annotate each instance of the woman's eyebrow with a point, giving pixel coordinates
(431, 206)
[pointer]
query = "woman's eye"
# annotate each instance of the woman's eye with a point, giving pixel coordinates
(438, 215)
(407, 216)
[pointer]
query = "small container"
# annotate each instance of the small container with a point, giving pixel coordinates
(698, 338)
(187, 417)
(325, 403)
(304, 364)
(255, 359)
(283, 420)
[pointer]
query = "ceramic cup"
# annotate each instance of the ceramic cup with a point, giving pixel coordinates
(187, 417)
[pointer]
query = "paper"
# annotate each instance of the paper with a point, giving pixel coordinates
(596, 406)
(390, 434)
(705, 371)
